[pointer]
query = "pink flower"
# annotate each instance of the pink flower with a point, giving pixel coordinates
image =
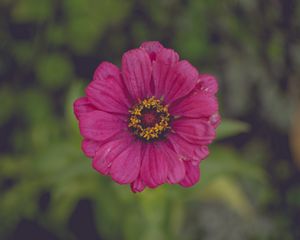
(149, 122)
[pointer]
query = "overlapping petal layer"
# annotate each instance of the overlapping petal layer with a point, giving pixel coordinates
(189, 97)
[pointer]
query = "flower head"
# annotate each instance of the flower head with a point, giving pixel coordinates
(149, 122)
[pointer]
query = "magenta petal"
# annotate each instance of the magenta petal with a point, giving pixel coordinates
(154, 170)
(89, 147)
(192, 174)
(208, 84)
(163, 68)
(152, 48)
(106, 91)
(182, 80)
(81, 106)
(136, 71)
(109, 151)
(202, 152)
(186, 150)
(138, 185)
(215, 120)
(116, 110)
(99, 126)
(126, 166)
(176, 169)
(196, 105)
(194, 131)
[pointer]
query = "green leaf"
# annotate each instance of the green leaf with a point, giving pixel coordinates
(7, 109)
(54, 70)
(87, 20)
(226, 161)
(76, 90)
(32, 10)
(229, 128)
(227, 190)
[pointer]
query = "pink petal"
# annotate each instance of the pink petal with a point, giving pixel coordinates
(182, 80)
(163, 69)
(106, 91)
(208, 84)
(89, 147)
(138, 185)
(100, 126)
(81, 106)
(109, 151)
(152, 48)
(136, 70)
(176, 169)
(192, 174)
(194, 131)
(196, 105)
(186, 150)
(154, 170)
(202, 152)
(126, 166)
(215, 120)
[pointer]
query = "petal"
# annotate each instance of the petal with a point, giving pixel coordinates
(202, 152)
(89, 147)
(81, 106)
(107, 152)
(192, 174)
(195, 131)
(136, 70)
(208, 84)
(182, 81)
(196, 105)
(138, 185)
(106, 91)
(162, 70)
(186, 150)
(215, 120)
(154, 170)
(126, 166)
(152, 48)
(100, 126)
(176, 169)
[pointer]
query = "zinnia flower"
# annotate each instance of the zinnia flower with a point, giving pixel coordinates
(150, 122)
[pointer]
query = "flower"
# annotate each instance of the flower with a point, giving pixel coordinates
(150, 122)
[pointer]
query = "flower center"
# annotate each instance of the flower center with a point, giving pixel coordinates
(149, 120)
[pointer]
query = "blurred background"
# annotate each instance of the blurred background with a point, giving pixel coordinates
(250, 184)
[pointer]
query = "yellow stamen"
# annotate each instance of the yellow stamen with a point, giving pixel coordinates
(159, 128)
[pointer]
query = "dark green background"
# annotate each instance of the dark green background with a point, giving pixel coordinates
(250, 184)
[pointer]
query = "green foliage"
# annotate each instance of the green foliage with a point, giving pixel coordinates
(6, 95)
(54, 70)
(231, 127)
(87, 20)
(32, 11)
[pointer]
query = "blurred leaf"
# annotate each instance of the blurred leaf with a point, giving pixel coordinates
(54, 70)
(230, 192)
(224, 160)
(35, 106)
(56, 35)
(32, 10)
(229, 128)
(7, 109)
(24, 52)
(75, 91)
(153, 205)
(87, 20)
(18, 202)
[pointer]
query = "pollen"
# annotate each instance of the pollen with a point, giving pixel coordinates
(149, 120)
